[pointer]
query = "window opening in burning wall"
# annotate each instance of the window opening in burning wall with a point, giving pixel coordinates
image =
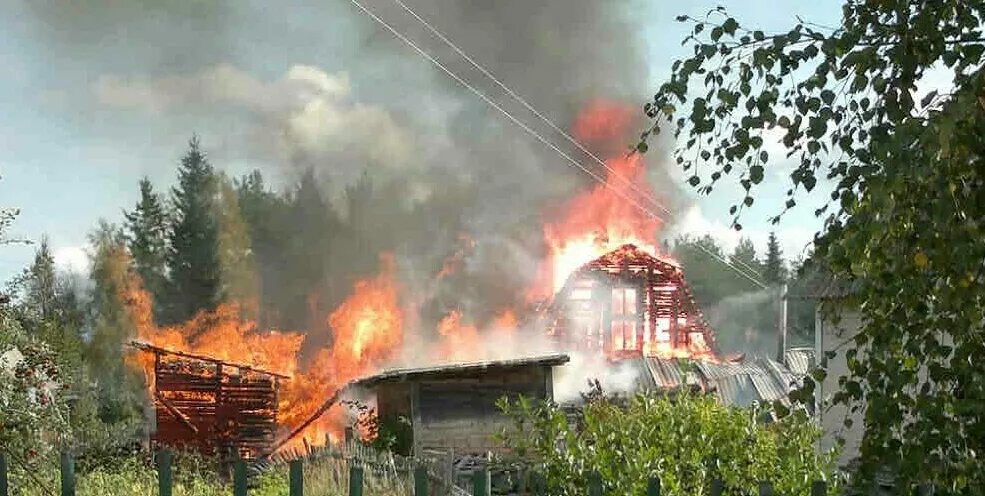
(624, 319)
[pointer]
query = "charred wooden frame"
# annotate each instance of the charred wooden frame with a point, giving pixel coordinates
(212, 406)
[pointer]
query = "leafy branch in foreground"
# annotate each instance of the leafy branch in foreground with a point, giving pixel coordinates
(907, 190)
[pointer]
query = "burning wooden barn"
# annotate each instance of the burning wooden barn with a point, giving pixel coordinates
(211, 406)
(629, 303)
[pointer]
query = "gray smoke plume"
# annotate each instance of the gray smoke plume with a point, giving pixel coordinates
(321, 85)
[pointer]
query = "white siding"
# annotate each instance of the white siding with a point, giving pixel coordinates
(828, 337)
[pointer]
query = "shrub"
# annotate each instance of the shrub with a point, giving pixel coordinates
(684, 438)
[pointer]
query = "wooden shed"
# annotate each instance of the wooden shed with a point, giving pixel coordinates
(212, 406)
(453, 407)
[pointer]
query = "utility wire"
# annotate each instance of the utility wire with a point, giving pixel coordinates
(529, 107)
(537, 135)
(549, 122)
(555, 127)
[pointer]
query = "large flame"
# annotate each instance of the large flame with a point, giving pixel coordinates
(607, 216)
(367, 331)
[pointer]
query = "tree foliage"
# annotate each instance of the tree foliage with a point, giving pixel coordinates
(849, 105)
(147, 239)
(774, 270)
(193, 259)
(683, 438)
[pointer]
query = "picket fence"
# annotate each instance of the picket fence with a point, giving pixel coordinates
(481, 482)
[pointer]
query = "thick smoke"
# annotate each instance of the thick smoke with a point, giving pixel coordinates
(321, 85)
(747, 323)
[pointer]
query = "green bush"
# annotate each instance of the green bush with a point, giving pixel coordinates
(684, 438)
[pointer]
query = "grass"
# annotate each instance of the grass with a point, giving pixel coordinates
(322, 477)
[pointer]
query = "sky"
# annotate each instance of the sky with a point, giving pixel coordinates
(96, 95)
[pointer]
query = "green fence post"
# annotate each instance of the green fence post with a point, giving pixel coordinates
(68, 474)
(164, 473)
(420, 481)
(594, 484)
(297, 478)
(239, 477)
(3, 474)
(765, 489)
(538, 484)
(480, 482)
(653, 487)
(717, 487)
(355, 481)
(819, 488)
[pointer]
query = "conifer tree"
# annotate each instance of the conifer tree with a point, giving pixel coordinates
(41, 292)
(774, 271)
(147, 240)
(193, 261)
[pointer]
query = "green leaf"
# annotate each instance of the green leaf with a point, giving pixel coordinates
(758, 35)
(730, 25)
(756, 174)
(716, 34)
(828, 96)
(694, 180)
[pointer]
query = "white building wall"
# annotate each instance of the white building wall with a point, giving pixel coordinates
(831, 336)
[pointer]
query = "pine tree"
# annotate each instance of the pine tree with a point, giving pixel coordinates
(42, 295)
(774, 270)
(744, 256)
(193, 261)
(147, 240)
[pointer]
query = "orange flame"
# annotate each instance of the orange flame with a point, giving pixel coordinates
(601, 219)
(367, 329)
(458, 341)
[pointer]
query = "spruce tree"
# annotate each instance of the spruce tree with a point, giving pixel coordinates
(41, 296)
(774, 271)
(193, 261)
(147, 240)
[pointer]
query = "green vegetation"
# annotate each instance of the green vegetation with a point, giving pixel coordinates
(885, 112)
(135, 477)
(684, 438)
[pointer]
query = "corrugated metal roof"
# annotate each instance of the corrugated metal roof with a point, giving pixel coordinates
(799, 360)
(739, 384)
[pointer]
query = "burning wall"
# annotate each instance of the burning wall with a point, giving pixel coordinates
(630, 303)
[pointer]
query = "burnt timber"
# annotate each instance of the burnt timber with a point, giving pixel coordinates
(625, 303)
(212, 406)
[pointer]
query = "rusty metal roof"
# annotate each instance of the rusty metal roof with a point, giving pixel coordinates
(461, 368)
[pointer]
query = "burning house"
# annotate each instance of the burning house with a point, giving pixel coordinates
(212, 406)
(629, 303)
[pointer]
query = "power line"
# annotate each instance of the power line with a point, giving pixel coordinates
(547, 120)
(529, 107)
(535, 134)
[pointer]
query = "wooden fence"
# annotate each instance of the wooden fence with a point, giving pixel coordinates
(481, 481)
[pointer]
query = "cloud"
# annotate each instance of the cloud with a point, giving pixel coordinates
(307, 114)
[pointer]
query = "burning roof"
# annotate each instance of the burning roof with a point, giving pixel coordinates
(627, 303)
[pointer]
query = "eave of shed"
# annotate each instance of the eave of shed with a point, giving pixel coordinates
(457, 369)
